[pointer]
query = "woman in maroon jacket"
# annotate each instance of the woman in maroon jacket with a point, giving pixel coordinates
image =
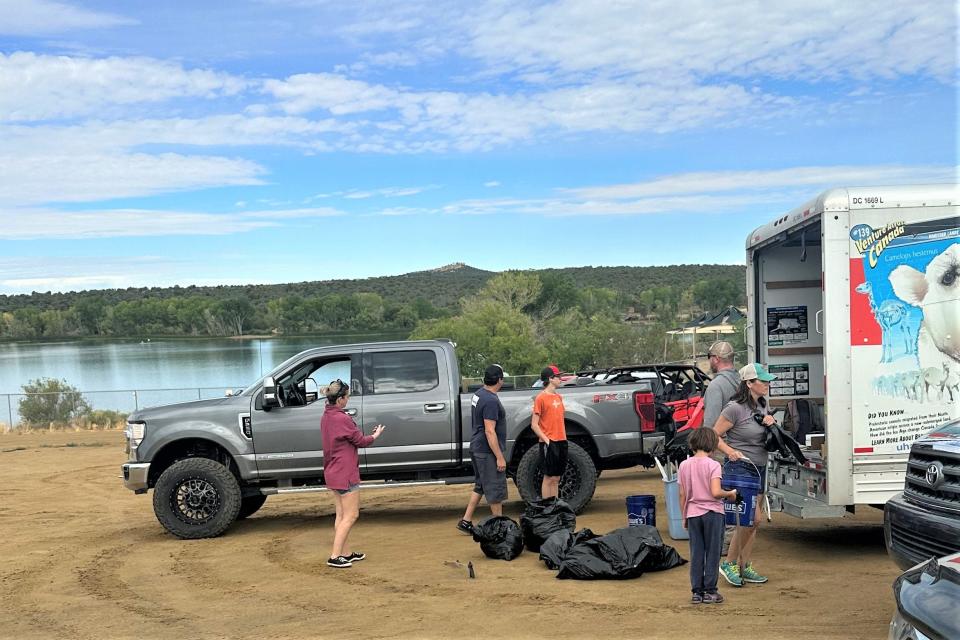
(341, 470)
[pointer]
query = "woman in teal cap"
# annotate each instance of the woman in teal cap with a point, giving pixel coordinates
(742, 439)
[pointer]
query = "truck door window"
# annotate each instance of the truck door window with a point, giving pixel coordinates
(327, 372)
(293, 388)
(404, 371)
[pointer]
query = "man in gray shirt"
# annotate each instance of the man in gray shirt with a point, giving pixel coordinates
(724, 384)
(719, 392)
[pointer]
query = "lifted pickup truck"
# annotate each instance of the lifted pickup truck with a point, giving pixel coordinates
(211, 462)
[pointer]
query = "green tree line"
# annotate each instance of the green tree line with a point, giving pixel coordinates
(524, 320)
(656, 295)
(202, 316)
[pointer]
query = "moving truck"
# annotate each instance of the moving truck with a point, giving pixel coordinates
(853, 304)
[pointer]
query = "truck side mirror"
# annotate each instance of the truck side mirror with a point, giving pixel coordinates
(270, 393)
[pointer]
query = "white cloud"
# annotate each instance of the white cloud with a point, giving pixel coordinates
(721, 181)
(44, 17)
(218, 130)
(39, 178)
(424, 121)
(65, 283)
(33, 224)
(59, 273)
(385, 192)
(491, 184)
(336, 93)
(23, 275)
(403, 211)
(40, 87)
(97, 160)
(391, 59)
(676, 204)
(808, 39)
(652, 67)
(695, 193)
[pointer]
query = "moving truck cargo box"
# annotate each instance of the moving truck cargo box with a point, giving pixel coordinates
(853, 304)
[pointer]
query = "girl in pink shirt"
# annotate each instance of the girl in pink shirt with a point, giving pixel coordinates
(700, 494)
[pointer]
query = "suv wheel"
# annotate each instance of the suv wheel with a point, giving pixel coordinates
(196, 498)
(577, 484)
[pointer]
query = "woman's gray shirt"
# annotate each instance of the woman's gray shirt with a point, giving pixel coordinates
(746, 435)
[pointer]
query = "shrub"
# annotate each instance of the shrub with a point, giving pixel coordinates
(103, 419)
(51, 401)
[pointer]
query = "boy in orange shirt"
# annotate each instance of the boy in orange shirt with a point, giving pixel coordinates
(548, 425)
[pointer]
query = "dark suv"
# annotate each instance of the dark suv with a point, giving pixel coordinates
(923, 522)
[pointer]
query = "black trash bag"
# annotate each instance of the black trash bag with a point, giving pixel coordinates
(619, 555)
(500, 538)
(555, 548)
(542, 518)
(778, 441)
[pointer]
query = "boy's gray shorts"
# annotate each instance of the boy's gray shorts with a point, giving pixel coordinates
(489, 482)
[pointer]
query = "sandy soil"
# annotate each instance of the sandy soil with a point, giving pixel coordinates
(82, 557)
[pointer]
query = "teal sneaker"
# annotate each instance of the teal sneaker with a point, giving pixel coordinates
(731, 573)
(748, 574)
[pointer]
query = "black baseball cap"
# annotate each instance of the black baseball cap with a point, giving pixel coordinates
(548, 372)
(492, 374)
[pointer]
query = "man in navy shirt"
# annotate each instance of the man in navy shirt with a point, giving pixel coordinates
(488, 441)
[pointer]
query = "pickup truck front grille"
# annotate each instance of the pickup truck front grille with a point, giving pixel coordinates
(945, 496)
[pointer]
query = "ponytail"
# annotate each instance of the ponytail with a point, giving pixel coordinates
(335, 390)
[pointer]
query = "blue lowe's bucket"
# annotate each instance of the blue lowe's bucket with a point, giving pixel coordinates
(671, 491)
(748, 484)
(641, 510)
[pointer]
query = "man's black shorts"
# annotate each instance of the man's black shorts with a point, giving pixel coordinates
(554, 457)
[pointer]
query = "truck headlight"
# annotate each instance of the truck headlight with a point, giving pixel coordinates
(134, 433)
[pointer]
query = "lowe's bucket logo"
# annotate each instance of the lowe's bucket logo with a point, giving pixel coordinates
(735, 508)
(935, 474)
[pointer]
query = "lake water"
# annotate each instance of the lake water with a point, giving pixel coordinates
(108, 371)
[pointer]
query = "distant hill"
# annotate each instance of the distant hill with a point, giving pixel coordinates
(443, 287)
(633, 280)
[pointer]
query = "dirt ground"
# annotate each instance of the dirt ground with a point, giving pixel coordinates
(82, 557)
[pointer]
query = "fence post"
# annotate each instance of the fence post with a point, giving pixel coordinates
(10, 410)
(198, 394)
(136, 402)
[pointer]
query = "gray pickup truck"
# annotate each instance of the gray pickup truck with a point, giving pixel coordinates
(211, 462)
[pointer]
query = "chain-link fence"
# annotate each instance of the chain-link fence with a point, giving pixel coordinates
(71, 408)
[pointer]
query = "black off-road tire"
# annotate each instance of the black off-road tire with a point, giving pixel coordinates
(250, 505)
(196, 498)
(577, 484)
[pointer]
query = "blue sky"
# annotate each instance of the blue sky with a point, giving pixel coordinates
(153, 144)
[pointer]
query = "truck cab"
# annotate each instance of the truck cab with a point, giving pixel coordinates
(853, 303)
